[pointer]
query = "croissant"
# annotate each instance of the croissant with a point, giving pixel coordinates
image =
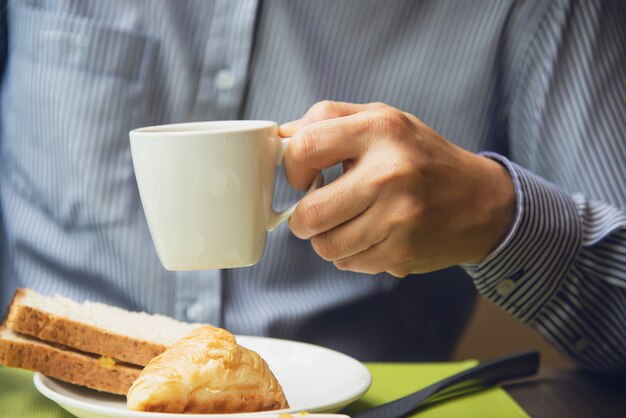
(206, 372)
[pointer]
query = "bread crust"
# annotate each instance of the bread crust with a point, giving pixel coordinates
(66, 365)
(88, 338)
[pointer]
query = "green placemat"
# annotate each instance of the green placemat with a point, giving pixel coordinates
(20, 399)
(392, 381)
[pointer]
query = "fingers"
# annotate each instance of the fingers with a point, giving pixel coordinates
(323, 144)
(385, 257)
(323, 110)
(376, 259)
(332, 205)
(350, 238)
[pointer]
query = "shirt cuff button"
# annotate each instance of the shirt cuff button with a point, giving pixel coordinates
(505, 287)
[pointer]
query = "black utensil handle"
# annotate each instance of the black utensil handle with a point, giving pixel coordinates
(481, 376)
(484, 375)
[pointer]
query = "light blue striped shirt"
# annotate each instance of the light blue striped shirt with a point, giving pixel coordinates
(540, 82)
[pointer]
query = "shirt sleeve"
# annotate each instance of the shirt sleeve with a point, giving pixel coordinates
(562, 267)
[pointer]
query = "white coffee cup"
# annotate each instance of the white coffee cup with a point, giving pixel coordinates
(207, 188)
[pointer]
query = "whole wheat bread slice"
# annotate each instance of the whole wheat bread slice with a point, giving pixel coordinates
(132, 337)
(70, 366)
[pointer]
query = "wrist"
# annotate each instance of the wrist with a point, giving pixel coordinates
(498, 207)
(545, 216)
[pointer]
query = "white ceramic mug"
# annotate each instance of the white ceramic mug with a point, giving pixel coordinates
(207, 188)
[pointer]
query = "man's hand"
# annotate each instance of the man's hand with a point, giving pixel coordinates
(409, 201)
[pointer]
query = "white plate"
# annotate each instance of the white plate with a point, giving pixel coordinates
(314, 379)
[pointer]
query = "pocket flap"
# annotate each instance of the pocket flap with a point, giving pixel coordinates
(78, 42)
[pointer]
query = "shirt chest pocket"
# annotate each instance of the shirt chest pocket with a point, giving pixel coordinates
(74, 87)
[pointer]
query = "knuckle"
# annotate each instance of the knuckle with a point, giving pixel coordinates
(310, 214)
(378, 105)
(410, 206)
(385, 176)
(343, 264)
(351, 265)
(325, 247)
(324, 108)
(389, 113)
(399, 171)
(400, 273)
(387, 121)
(378, 270)
(391, 120)
(304, 146)
(404, 222)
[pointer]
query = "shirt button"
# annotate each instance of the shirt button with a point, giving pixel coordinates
(505, 287)
(224, 80)
(194, 312)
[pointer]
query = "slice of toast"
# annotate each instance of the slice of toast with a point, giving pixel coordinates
(64, 364)
(132, 337)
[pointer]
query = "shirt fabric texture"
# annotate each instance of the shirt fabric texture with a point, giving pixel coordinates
(539, 86)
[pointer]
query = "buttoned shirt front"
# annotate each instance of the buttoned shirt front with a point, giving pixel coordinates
(537, 81)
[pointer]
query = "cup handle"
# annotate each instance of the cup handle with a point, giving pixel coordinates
(277, 218)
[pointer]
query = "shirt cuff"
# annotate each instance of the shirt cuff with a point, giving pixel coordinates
(525, 271)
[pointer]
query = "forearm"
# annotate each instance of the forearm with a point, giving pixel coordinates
(562, 269)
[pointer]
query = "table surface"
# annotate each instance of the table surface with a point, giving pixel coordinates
(570, 393)
(553, 393)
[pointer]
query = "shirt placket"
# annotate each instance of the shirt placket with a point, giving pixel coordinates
(221, 86)
(220, 95)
